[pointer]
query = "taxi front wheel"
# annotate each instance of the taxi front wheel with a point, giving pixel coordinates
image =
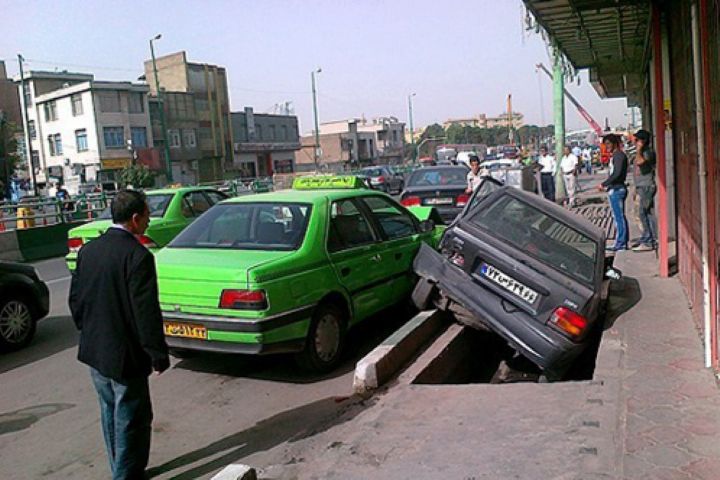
(325, 341)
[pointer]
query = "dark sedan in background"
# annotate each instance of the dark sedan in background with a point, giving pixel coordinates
(442, 187)
(382, 178)
(24, 299)
(525, 269)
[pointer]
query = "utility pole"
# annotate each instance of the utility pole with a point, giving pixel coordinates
(26, 126)
(161, 105)
(412, 133)
(315, 113)
(559, 120)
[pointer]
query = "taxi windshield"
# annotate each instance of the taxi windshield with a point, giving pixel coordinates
(157, 204)
(248, 226)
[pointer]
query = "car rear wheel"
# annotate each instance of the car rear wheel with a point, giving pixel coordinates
(325, 341)
(17, 323)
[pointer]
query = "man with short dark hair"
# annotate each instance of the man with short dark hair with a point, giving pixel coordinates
(114, 303)
(547, 182)
(617, 191)
(474, 176)
(644, 177)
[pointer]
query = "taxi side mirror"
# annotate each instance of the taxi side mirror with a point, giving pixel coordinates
(427, 226)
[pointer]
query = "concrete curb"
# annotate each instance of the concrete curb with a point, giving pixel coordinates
(385, 360)
(236, 471)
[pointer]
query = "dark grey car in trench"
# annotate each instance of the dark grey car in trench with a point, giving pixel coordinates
(524, 268)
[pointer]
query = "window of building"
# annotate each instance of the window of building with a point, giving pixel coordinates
(55, 145)
(77, 106)
(28, 96)
(81, 140)
(258, 132)
(283, 133)
(174, 138)
(114, 137)
(31, 129)
(136, 102)
(189, 139)
(109, 101)
(395, 136)
(139, 137)
(50, 111)
(202, 105)
(272, 133)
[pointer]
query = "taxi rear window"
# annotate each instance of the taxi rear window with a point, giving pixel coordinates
(247, 226)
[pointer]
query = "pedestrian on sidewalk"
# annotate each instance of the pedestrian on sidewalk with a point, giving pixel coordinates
(547, 182)
(568, 167)
(617, 191)
(644, 177)
(587, 159)
(114, 303)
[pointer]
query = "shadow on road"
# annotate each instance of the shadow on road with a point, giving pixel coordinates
(281, 368)
(26, 417)
(291, 425)
(54, 334)
(624, 295)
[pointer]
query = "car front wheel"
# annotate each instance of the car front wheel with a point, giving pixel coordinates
(17, 324)
(325, 341)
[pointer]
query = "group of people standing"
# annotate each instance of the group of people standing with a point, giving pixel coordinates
(569, 167)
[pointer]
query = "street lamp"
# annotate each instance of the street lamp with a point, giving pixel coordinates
(412, 133)
(161, 106)
(315, 112)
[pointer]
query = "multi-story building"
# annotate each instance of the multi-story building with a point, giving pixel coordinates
(342, 146)
(483, 121)
(81, 129)
(265, 144)
(197, 114)
(389, 138)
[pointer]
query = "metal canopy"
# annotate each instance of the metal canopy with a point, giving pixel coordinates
(609, 37)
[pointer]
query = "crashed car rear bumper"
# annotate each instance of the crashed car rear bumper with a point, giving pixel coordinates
(540, 343)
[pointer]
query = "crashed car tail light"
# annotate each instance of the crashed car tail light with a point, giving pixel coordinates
(146, 241)
(380, 179)
(462, 200)
(571, 323)
(410, 201)
(243, 299)
(74, 244)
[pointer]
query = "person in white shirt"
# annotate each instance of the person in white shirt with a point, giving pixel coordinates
(474, 176)
(547, 182)
(587, 159)
(568, 168)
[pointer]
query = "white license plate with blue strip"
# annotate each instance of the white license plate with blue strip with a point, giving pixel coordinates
(508, 283)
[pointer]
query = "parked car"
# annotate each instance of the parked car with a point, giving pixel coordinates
(24, 299)
(171, 210)
(383, 178)
(526, 269)
(442, 187)
(290, 271)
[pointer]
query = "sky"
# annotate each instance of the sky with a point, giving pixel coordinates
(460, 57)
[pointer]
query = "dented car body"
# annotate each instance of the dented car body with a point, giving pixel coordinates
(522, 267)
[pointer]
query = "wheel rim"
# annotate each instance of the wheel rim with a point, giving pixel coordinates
(327, 338)
(15, 321)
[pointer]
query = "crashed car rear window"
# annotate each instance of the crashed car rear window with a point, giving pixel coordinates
(540, 236)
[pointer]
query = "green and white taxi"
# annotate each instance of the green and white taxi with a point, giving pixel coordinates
(290, 271)
(171, 210)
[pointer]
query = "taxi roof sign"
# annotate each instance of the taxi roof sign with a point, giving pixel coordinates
(345, 182)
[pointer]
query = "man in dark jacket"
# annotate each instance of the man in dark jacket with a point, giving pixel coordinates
(617, 191)
(114, 303)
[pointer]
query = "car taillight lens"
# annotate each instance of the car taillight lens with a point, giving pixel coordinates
(462, 200)
(243, 299)
(381, 179)
(74, 244)
(410, 201)
(147, 241)
(569, 322)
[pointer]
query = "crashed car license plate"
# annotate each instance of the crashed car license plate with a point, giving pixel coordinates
(508, 283)
(186, 330)
(438, 201)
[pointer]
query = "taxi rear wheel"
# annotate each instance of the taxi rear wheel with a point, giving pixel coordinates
(325, 341)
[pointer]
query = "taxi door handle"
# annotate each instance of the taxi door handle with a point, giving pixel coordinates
(345, 271)
(376, 258)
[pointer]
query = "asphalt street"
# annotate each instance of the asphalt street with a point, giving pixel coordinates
(210, 410)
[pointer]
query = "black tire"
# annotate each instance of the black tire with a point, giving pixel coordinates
(18, 323)
(182, 353)
(325, 341)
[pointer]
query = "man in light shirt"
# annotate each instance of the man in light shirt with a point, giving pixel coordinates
(547, 182)
(568, 168)
(474, 176)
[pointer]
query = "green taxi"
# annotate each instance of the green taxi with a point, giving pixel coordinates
(290, 271)
(171, 210)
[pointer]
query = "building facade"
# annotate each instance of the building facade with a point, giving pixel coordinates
(483, 121)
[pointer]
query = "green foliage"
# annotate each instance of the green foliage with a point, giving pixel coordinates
(9, 158)
(139, 176)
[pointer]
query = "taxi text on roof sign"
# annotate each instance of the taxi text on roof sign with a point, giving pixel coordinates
(325, 182)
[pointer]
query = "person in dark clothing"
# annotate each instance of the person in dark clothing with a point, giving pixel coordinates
(617, 191)
(114, 303)
(644, 177)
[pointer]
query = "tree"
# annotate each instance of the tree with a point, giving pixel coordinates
(9, 158)
(139, 176)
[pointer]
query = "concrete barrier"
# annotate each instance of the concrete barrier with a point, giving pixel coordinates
(236, 471)
(9, 247)
(44, 242)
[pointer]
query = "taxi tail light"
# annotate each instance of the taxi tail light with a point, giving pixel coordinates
(74, 244)
(462, 199)
(146, 241)
(243, 299)
(410, 201)
(571, 323)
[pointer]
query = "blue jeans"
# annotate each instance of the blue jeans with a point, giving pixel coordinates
(126, 416)
(617, 198)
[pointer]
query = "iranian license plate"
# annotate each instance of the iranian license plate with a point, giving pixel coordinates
(438, 201)
(187, 330)
(508, 283)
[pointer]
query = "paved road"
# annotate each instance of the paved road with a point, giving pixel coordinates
(209, 411)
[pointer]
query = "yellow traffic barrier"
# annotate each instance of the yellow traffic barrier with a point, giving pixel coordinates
(25, 218)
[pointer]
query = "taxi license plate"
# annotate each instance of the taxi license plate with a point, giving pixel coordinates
(508, 283)
(438, 201)
(187, 330)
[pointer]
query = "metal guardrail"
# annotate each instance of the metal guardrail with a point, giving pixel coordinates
(38, 212)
